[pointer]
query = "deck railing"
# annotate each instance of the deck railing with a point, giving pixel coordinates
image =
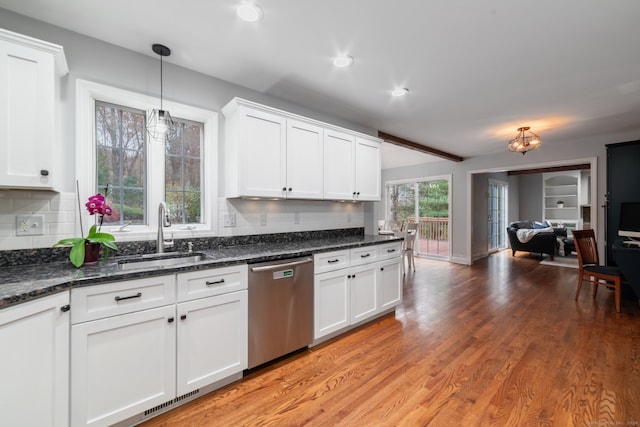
(432, 228)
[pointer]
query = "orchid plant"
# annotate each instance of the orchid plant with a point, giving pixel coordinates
(97, 205)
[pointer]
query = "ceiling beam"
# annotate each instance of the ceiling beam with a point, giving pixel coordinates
(396, 140)
(551, 169)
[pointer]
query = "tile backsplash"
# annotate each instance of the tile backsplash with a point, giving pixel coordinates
(251, 217)
(58, 210)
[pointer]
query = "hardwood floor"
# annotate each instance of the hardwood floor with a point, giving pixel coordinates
(499, 343)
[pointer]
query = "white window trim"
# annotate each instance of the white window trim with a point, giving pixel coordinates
(86, 94)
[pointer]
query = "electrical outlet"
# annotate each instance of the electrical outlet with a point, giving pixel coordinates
(263, 219)
(230, 220)
(29, 225)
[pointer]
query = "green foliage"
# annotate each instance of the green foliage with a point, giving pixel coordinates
(76, 255)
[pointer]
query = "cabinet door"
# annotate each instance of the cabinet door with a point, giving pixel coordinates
(212, 340)
(364, 292)
(122, 366)
(27, 131)
(389, 284)
(367, 170)
(304, 160)
(34, 363)
(339, 165)
(331, 302)
(262, 154)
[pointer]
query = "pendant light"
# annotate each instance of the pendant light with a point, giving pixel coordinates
(160, 126)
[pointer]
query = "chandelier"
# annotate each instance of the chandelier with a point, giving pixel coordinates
(524, 141)
(160, 126)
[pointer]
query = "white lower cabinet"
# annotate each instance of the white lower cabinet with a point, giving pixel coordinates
(365, 282)
(34, 363)
(137, 345)
(122, 365)
(331, 302)
(364, 292)
(212, 340)
(389, 283)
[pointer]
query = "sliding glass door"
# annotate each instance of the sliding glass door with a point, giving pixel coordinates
(426, 202)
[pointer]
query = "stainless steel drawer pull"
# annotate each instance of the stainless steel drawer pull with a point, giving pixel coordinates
(217, 282)
(365, 255)
(138, 295)
(331, 261)
(391, 250)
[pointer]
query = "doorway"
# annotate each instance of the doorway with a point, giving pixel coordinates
(425, 201)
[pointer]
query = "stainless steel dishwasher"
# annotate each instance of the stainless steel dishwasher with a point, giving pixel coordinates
(280, 308)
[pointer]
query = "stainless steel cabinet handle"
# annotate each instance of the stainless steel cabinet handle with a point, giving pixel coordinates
(65, 308)
(183, 316)
(217, 282)
(365, 255)
(391, 250)
(279, 266)
(119, 298)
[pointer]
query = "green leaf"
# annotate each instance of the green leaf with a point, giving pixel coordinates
(77, 253)
(69, 242)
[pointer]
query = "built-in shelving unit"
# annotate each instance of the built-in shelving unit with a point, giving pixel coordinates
(562, 187)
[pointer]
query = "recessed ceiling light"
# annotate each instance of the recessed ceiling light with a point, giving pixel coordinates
(343, 61)
(249, 11)
(400, 91)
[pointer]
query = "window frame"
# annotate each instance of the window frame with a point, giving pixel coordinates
(87, 93)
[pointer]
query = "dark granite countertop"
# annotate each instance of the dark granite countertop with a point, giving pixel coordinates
(23, 283)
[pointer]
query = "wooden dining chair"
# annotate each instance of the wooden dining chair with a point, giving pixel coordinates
(408, 246)
(590, 268)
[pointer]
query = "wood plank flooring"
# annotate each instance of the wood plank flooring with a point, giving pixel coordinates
(499, 343)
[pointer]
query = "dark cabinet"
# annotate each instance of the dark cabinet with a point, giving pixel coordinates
(623, 185)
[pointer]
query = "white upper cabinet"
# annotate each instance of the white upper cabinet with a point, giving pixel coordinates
(367, 174)
(304, 160)
(256, 149)
(274, 154)
(339, 165)
(30, 71)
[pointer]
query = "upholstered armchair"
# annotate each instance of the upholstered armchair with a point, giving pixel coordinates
(544, 242)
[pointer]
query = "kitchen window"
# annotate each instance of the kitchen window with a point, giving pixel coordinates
(140, 173)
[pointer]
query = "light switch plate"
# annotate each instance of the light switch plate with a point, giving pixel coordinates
(29, 225)
(230, 220)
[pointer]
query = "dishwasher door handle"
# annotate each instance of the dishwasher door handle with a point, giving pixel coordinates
(279, 266)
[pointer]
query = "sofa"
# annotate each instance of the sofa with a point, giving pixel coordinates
(536, 237)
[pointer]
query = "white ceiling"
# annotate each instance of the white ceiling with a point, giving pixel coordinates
(476, 69)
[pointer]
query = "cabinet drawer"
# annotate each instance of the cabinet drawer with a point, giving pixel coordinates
(110, 299)
(363, 255)
(205, 283)
(389, 250)
(330, 261)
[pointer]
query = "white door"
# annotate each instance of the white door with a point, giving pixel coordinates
(497, 215)
(27, 130)
(364, 292)
(367, 170)
(262, 155)
(331, 302)
(212, 340)
(122, 366)
(304, 160)
(339, 165)
(389, 284)
(34, 363)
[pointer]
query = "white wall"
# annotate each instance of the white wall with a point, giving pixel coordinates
(97, 61)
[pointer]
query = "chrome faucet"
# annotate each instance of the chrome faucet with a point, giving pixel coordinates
(163, 221)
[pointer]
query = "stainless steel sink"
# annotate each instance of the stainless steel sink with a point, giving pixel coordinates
(160, 260)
